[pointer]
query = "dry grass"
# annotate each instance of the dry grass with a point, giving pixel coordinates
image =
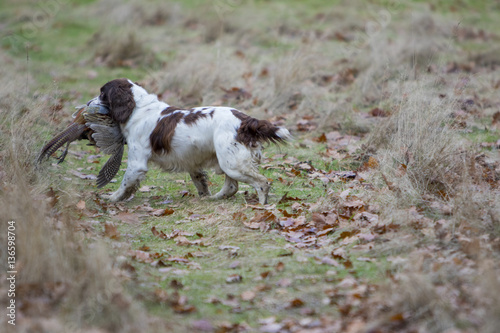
(62, 284)
(24, 115)
(401, 50)
(125, 49)
(136, 13)
(434, 294)
(425, 161)
(59, 276)
(292, 63)
(286, 91)
(420, 150)
(197, 77)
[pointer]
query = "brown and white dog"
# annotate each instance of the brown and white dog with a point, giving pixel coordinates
(187, 140)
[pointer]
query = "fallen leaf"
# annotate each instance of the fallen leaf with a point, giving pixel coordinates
(235, 93)
(82, 176)
(178, 260)
(285, 282)
(397, 317)
(235, 264)
(339, 253)
(182, 241)
(254, 225)
(111, 231)
(353, 204)
(367, 237)
(80, 205)
(372, 163)
(194, 265)
(271, 328)
(162, 212)
(329, 261)
(140, 256)
(280, 267)
(127, 217)
(324, 232)
(296, 303)
(286, 198)
(376, 112)
(239, 216)
(321, 138)
(317, 217)
(229, 247)
(234, 278)
(144, 188)
(184, 309)
(248, 295)
(364, 259)
(186, 194)
(156, 232)
(366, 217)
(202, 325)
(160, 295)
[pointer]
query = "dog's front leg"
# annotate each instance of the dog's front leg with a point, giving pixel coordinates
(137, 168)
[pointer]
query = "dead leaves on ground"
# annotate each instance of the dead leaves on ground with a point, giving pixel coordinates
(350, 221)
(180, 237)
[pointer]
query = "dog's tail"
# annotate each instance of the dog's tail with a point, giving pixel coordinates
(253, 132)
(284, 134)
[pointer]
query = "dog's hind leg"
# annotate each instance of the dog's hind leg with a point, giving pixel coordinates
(243, 167)
(255, 179)
(199, 179)
(228, 190)
(262, 186)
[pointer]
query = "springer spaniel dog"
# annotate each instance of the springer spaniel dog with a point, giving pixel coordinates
(182, 140)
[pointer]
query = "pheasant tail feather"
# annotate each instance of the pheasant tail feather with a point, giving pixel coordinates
(73, 132)
(110, 169)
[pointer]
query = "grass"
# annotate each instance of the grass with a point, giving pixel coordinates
(414, 244)
(258, 253)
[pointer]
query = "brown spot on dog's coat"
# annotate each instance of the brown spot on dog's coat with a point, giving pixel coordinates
(193, 116)
(171, 109)
(161, 137)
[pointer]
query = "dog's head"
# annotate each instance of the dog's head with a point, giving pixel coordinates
(117, 96)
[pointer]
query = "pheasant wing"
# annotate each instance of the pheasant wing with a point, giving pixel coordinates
(109, 138)
(110, 169)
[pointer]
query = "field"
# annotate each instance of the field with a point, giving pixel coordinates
(384, 213)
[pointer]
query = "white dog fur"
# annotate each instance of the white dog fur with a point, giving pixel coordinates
(187, 140)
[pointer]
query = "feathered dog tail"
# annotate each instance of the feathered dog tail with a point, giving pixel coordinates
(284, 134)
(253, 131)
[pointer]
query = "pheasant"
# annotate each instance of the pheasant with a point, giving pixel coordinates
(96, 125)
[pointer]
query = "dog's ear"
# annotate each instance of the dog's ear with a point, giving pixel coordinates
(121, 101)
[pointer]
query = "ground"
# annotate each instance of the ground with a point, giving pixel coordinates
(384, 212)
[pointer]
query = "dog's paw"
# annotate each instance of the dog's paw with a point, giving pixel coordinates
(219, 196)
(112, 197)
